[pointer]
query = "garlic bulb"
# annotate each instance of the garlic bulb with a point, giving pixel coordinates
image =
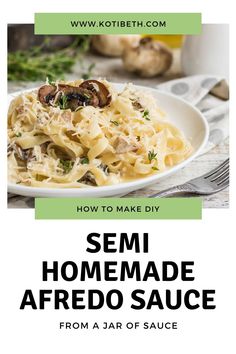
(148, 58)
(112, 45)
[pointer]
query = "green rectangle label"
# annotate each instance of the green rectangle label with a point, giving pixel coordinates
(117, 23)
(118, 208)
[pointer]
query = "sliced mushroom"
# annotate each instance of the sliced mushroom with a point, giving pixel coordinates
(88, 179)
(99, 89)
(23, 155)
(122, 145)
(46, 93)
(75, 96)
(78, 96)
(44, 147)
(105, 168)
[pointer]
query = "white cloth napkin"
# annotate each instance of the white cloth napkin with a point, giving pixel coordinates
(210, 95)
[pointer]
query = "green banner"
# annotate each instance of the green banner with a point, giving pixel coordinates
(118, 208)
(117, 23)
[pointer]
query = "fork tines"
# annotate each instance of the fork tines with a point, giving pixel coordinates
(220, 175)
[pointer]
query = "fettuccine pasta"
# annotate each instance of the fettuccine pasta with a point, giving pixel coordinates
(70, 139)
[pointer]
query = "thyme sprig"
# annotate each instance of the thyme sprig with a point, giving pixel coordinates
(152, 155)
(38, 62)
(66, 165)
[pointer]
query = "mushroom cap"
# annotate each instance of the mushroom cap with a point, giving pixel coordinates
(112, 45)
(46, 93)
(99, 89)
(149, 58)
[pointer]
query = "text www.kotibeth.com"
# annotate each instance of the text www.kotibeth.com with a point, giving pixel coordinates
(118, 24)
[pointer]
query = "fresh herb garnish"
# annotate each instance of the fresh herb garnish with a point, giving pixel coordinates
(63, 102)
(114, 122)
(50, 81)
(151, 155)
(84, 160)
(155, 168)
(18, 135)
(88, 74)
(40, 61)
(146, 114)
(66, 165)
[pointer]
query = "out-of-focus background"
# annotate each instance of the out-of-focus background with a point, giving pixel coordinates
(33, 58)
(142, 60)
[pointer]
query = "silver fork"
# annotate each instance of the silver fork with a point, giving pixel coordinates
(210, 183)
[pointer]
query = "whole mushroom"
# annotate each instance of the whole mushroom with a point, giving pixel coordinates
(147, 58)
(112, 45)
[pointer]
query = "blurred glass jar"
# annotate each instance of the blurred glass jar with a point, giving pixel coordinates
(207, 53)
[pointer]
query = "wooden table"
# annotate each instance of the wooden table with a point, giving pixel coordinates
(112, 70)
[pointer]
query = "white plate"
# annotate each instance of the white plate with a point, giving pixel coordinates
(181, 114)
